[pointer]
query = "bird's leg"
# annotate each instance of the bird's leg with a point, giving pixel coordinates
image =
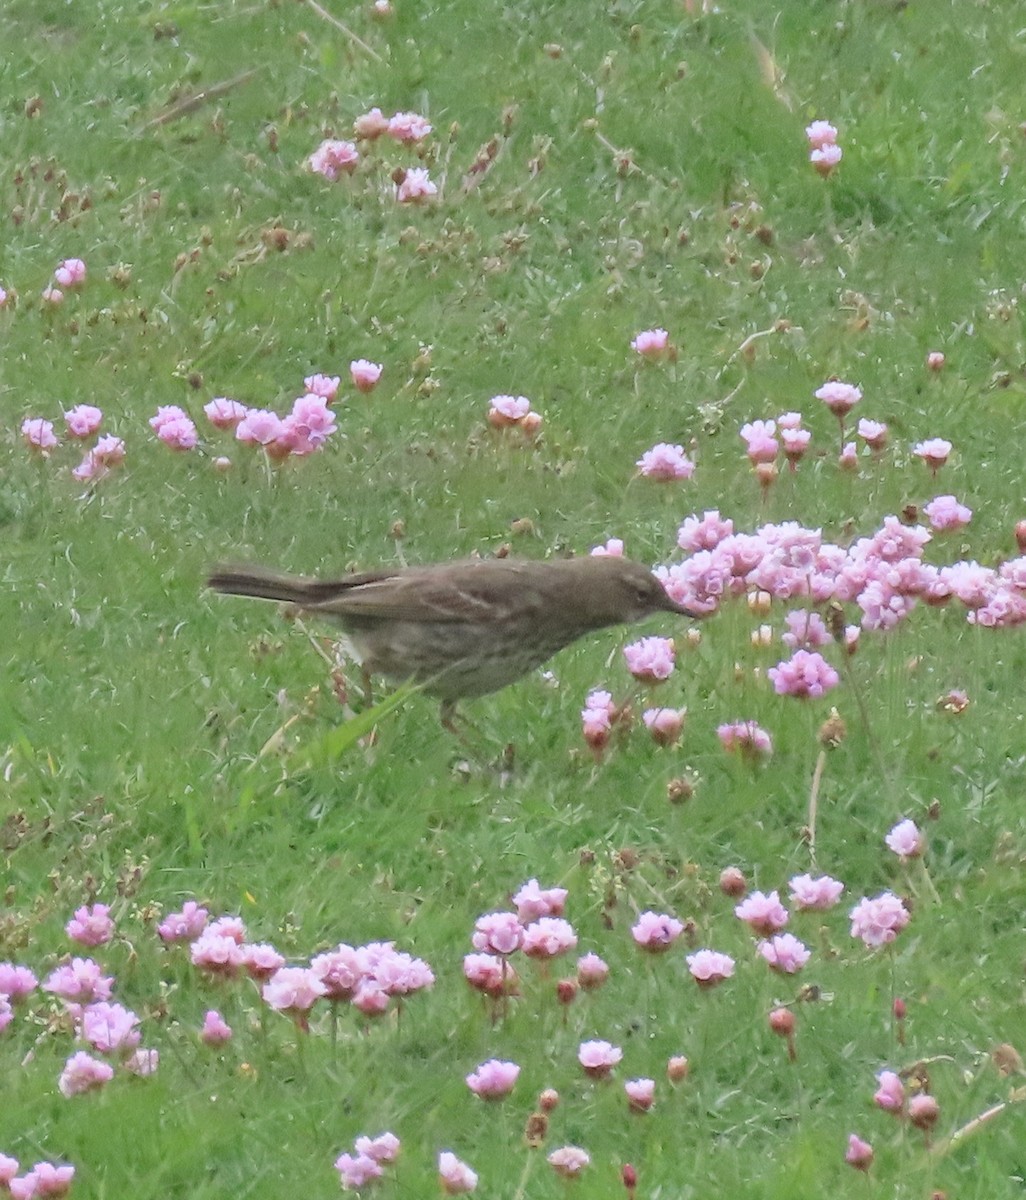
(447, 719)
(503, 766)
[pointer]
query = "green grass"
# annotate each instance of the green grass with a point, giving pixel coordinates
(134, 706)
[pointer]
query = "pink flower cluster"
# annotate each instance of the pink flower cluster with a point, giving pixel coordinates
(368, 977)
(509, 412)
(538, 930)
(44, 1179)
(407, 128)
(665, 462)
(824, 152)
(367, 1162)
(883, 574)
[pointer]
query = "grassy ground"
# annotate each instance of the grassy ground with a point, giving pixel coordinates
(651, 171)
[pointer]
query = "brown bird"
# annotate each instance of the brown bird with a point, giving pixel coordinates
(466, 628)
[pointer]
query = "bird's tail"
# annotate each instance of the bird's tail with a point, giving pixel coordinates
(265, 584)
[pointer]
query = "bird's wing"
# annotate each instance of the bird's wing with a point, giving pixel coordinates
(456, 592)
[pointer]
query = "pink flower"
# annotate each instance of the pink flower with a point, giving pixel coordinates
(710, 967)
(166, 413)
(183, 926)
(259, 427)
(533, 901)
(664, 724)
(333, 158)
(763, 914)
(613, 548)
(415, 187)
(592, 971)
(109, 451)
(906, 840)
(71, 273)
(820, 134)
(229, 926)
(383, 1149)
(312, 421)
(4, 295)
(879, 919)
(489, 974)
(322, 385)
(340, 970)
(923, 1111)
(294, 991)
(934, 452)
(745, 738)
(494, 1079)
(705, 532)
(839, 397)
(677, 1068)
(370, 998)
(83, 1073)
(505, 411)
(52, 296)
(216, 954)
(45, 1179)
(820, 893)
(569, 1161)
(945, 512)
(761, 445)
(805, 629)
(640, 1094)
(890, 1095)
(665, 462)
(408, 127)
(784, 953)
(143, 1062)
(873, 433)
(859, 1153)
(796, 442)
(216, 1031)
(38, 434)
(399, 974)
(652, 343)
(804, 674)
(598, 1058)
(90, 926)
(260, 961)
(596, 727)
(8, 1169)
(83, 420)
(651, 659)
(935, 361)
(356, 1171)
(79, 982)
(370, 125)
(16, 982)
(498, 933)
(656, 932)
(109, 1028)
(848, 459)
(825, 158)
(223, 413)
(365, 374)
(6, 1012)
(178, 434)
(455, 1176)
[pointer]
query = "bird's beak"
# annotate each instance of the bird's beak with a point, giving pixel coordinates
(672, 606)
